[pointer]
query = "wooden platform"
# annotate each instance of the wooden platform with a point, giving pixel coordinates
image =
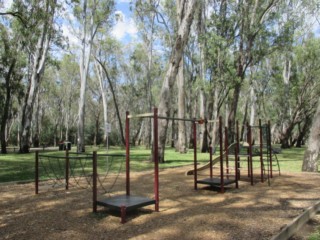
(124, 203)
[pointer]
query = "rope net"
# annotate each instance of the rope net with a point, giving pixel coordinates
(75, 170)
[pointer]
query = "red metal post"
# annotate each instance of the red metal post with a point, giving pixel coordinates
(226, 149)
(67, 169)
(248, 141)
(123, 214)
(250, 153)
(261, 151)
(156, 158)
(270, 147)
(195, 174)
(221, 156)
(127, 154)
(94, 181)
(36, 177)
(210, 152)
(236, 156)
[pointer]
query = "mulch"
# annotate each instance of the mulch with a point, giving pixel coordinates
(249, 212)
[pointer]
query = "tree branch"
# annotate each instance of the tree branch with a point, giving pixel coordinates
(16, 15)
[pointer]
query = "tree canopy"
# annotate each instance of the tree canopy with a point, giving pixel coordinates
(67, 75)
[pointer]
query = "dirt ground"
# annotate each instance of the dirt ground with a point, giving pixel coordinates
(250, 212)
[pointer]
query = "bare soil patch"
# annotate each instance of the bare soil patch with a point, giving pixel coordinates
(250, 212)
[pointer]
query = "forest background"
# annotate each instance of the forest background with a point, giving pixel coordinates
(66, 76)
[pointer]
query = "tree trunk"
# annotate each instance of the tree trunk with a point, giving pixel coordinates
(186, 12)
(303, 132)
(253, 105)
(181, 110)
(5, 114)
(103, 92)
(311, 155)
(114, 100)
(38, 66)
(203, 127)
(36, 140)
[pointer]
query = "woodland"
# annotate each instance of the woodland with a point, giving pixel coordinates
(243, 60)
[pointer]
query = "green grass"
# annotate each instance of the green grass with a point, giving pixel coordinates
(291, 159)
(315, 235)
(20, 167)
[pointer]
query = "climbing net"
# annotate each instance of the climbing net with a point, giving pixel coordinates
(75, 170)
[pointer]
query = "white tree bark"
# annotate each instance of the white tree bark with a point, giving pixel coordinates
(202, 116)
(311, 155)
(103, 90)
(181, 97)
(89, 29)
(37, 69)
(252, 105)
(181, 110)
(186, 11)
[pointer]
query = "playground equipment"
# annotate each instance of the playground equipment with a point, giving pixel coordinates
(75, 169)
(211, 163)
(260, 156)
(127, 202)
(238, 150)
(62, 171)
(225, 177)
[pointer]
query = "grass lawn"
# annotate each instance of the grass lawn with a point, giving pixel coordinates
(20, 167)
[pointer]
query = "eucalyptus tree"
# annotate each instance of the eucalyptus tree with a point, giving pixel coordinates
(35, 39)
(154, 22)
(304, 87)
(311, 155)
(186, 13)
(95, 110)
(134, 90)
(92, 15)
(254, 23)
(49, 108)
(11, 74)
(68, 79)
(107, 63)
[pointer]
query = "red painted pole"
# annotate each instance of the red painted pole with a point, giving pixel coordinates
(221, 156)
(250, 153)
(94, 181)
(194, 126)
(67, 169)
(210, 152)
(226, 145)
(270, 147)
(156, 158)
(36, 177)
(127, 154)
(236, 156)
(261, 151)
(248, 141)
